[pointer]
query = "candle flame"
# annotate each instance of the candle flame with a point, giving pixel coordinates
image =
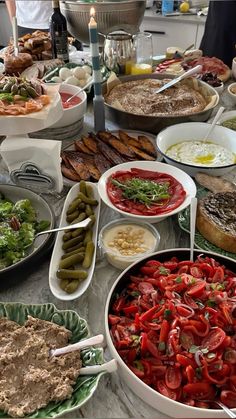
(92, 12)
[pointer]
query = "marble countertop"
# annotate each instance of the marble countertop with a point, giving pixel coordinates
(113, 398)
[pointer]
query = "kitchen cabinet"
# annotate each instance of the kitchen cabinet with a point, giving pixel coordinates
(172, 31)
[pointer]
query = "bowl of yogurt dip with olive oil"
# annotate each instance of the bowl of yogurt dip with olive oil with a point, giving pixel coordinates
(183, 146)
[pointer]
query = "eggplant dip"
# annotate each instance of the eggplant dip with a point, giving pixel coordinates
(29, 377)
(139, 97)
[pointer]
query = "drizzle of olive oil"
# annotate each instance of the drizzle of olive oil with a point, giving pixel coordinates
(208, 158)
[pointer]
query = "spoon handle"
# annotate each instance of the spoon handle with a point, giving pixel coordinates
(227, 410)
(81, 224)
(193, 211)
(94, 340)
(218, 114)
(79, 91)
(109, 366)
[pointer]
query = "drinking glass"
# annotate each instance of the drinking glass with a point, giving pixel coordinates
(142, 43)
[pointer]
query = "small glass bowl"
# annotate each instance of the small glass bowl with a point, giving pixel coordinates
(117, 259)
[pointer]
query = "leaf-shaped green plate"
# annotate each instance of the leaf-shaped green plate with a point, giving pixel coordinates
(86, 385)
(200, 241)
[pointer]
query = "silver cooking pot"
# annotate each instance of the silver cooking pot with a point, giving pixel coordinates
(118, 51)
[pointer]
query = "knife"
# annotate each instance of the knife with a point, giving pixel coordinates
(188, 73)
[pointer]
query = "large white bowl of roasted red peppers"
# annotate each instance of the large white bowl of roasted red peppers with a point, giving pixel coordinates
(171, 325)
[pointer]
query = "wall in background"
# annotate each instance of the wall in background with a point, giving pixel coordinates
(5, 25)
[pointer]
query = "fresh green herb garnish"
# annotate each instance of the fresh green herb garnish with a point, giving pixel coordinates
(161, 346)
(178, 280)
(167, 314)
(163, 271)
(6, 96)
(143, 190)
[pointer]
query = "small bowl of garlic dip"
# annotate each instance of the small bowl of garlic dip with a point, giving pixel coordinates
(124, 242)
(183, 146)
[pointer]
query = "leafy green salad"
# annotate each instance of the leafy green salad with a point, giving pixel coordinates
(18, 227)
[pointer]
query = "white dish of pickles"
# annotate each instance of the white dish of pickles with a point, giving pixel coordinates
(74, 254)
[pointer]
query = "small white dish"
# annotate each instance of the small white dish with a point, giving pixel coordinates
(54, 285)
(182, 177)
(74, 113)
(226, 116)
(220, 88)
(232, 91)
(114, 256)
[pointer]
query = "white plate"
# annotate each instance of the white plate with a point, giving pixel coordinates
(132, 133)
(58, 252)
(182, 177)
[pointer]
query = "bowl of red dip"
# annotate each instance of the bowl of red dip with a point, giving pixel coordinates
(74, 110)
(144, 190)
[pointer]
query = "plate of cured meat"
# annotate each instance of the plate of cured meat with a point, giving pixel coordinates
(209, 65)
(91, 155)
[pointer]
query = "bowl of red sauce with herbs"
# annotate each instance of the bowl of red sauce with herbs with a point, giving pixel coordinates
(170, 323)
(149, 191)
(74, 110)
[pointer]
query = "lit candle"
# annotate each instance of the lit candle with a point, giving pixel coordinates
(98, 100)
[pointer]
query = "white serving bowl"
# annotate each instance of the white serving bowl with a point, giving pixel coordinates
(190, 131)
(179, 175)
(163, 404)
(231, 94)
(75, 113)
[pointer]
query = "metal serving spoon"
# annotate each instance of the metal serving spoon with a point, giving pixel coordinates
(81, 224)
(228, 411)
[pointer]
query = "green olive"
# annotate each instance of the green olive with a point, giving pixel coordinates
(31, 91)
(14, 89)
(7, 87)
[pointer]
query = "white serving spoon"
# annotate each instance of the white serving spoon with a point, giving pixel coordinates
(109, 366)
(79, 91)
(183, 76)
(81, 224)
(193, 213)
(218, 114)
(94, 340)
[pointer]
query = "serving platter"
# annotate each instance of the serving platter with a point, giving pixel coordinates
(131, 133)
(200, 241)
(58, 252)
(85, 385)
